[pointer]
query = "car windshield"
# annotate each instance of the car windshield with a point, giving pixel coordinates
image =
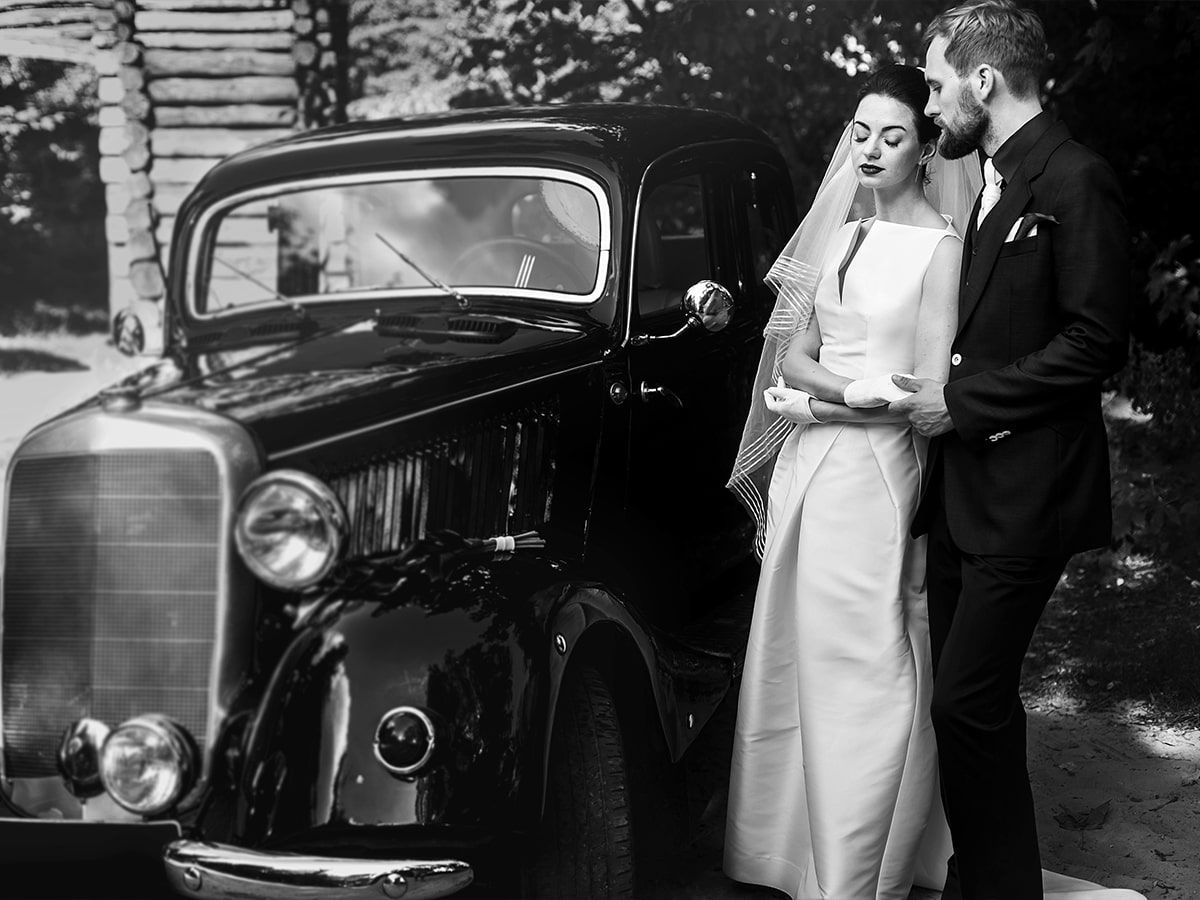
(520, 234)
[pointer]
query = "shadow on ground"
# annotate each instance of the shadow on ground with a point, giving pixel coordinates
(23, 359)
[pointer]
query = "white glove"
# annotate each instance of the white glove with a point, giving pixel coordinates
(878, 390)
(790, 403)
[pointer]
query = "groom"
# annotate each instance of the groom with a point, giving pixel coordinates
(1019, 466)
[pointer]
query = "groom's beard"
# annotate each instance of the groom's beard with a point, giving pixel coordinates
(968, 137)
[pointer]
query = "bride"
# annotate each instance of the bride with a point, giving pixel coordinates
(834, 787)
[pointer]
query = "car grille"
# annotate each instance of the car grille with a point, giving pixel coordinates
(495, 479)
(110, 595)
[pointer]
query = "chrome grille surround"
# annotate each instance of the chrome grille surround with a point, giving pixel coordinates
(155, 429)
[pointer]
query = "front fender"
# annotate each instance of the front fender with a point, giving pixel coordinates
(470, 650)
(687, 684)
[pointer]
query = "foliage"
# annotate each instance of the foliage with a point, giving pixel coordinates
(789, 67)
(402, 52)
(53, 267)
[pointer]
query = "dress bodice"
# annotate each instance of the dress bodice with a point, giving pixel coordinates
(869, 326)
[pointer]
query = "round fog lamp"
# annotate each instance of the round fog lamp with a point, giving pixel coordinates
(404, 740)
(290, 529)
(147, 764)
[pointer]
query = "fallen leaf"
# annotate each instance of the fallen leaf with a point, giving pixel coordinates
(1084, 819)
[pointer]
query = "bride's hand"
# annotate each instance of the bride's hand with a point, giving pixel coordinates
(879, 390)
(790, 403)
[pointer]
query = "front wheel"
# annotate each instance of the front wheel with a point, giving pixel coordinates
(585, 844)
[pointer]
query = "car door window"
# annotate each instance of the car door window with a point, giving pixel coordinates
(672, 251)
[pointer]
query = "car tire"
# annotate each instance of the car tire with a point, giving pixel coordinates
(585, 844)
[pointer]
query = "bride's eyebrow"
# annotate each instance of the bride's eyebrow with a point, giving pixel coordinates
(885, 127)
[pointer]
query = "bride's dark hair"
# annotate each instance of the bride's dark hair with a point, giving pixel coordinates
(905, 84)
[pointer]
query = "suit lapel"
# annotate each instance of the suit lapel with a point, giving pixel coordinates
(988, 240)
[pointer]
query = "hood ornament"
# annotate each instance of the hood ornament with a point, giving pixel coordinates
(121, 399)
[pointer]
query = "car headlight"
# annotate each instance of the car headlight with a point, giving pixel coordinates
(290, 529)
(147, 764)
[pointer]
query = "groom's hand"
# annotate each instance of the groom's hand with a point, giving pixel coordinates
(925, 406)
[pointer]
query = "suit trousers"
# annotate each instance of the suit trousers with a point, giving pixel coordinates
(982, 613)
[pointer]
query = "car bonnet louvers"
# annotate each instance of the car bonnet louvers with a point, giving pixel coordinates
(495, 478)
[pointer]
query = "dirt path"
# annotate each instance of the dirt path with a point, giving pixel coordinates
(1118, 798)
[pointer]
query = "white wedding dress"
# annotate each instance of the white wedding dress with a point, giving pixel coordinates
(833, 788)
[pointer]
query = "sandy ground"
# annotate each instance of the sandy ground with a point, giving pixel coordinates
(1118, 795)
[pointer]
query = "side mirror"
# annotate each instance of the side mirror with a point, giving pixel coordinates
(706, 304)
(137, 329)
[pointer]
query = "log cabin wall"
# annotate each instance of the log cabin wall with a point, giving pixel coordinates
(183, 83)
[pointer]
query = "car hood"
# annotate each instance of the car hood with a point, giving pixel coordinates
(295, 393)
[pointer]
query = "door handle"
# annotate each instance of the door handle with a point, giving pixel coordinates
(650, 392)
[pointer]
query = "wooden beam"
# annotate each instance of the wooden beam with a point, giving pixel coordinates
(239, 115)
(266, 20)
(216, 40)
(217, 63)
(202, 5)
(187, 171)
(46, 17)
(208, 91)
(36, 44)
(183, 142)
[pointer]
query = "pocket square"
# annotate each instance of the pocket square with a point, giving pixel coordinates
(1027, 226)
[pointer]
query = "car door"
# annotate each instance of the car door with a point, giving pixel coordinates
(689, 394)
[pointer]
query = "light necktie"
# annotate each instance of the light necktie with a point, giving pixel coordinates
(993, 184)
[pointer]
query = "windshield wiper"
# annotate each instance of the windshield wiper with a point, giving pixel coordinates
(293, 305)
(463, 302)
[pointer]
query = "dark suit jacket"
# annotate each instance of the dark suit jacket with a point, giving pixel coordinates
(1042, 322)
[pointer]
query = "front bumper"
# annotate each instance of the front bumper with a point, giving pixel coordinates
(219, 871)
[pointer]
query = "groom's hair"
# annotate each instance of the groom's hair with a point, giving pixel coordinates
(996, 32)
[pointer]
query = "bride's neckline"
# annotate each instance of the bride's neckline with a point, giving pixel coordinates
(875, 220)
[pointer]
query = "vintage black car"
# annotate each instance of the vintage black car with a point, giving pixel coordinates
(410, 561)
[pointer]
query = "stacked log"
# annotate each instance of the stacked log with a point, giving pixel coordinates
(126, 157)
(221, 78)
(320, 51)
(52, 29)
(182, 84)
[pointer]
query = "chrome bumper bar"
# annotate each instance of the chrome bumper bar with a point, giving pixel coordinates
(222, 872)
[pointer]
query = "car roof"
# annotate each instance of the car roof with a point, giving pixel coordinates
(621, 138)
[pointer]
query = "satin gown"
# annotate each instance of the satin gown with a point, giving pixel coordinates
(833, 788)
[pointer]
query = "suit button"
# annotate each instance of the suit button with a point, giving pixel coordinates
(956, 359)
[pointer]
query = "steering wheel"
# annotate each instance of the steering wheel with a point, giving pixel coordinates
(529, 262)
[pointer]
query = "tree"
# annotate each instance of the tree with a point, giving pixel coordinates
(51, 197)
(788, 67)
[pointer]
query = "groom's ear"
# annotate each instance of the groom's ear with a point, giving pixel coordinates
(983, 81)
